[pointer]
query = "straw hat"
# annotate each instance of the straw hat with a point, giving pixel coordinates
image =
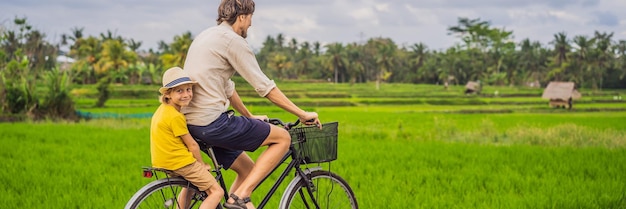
(174, 77)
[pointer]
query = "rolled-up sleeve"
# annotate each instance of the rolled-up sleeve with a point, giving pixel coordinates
(244, 62)
(266, 88)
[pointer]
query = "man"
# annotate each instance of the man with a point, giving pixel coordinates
(214, 56)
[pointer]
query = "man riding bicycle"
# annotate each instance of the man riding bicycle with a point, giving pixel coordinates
(214, 56)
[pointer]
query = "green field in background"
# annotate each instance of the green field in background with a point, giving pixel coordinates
(465, 153)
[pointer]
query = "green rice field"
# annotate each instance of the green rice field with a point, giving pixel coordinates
(402, 146)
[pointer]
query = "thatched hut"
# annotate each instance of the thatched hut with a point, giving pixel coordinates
(561, 94)
(472, 87)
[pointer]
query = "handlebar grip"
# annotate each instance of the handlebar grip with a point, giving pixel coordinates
(288, 125)
(275, 121)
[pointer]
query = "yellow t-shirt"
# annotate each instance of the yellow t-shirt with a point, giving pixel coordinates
(166, 147)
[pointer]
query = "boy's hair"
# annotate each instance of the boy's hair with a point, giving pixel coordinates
(163, 99)
(229, 10)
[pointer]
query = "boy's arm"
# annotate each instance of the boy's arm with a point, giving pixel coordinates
(193, 147)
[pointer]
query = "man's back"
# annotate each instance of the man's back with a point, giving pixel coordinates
(214, 56)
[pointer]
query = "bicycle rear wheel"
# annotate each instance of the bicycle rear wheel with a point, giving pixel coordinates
(331, 191)
(164, 193)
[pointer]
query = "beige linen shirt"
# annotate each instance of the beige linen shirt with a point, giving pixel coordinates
(214, 56)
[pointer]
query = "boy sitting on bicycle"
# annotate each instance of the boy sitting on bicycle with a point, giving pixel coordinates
(171, 145)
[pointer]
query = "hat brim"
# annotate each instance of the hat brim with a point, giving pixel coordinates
(162, 90)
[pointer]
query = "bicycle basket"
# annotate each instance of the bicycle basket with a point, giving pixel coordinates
(314, 145)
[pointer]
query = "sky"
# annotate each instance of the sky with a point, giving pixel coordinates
(406, 22)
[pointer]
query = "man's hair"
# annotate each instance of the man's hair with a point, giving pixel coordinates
(229, 10)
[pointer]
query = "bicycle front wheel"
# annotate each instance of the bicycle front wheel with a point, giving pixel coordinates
(330, 191)
(166, 193)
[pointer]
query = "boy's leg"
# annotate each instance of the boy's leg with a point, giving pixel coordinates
(183, 198)
(215, 194)
(198, 175)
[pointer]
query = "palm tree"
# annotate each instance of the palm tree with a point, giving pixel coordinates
(356, 65)
(581, 54)
(87, 53)
(603, 57)
(385, 59)
(269, 47)
(176, 52)
(134, 45)
(416, 61)
(335, 59)
(452, 63)
(77, 33)
(115, 58)
(620, 64)
(472, 31)
(110, 35)
(76, 38)
(501, 49)
(269, 44)
(281, 63)
(134, 71)
(293, 46)
(317, 48)
(532, 60)
(280, 41)
(561, 49)
(303, 58)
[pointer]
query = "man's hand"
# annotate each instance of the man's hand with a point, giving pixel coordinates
(311, 118)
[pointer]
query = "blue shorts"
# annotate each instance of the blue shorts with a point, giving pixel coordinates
(230, 135)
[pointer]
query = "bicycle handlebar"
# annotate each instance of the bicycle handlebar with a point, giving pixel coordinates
(277, 121)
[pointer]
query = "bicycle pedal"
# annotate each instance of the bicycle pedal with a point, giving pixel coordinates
(202, 196)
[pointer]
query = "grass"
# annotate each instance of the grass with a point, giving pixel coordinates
(416, 155)
(436, 160)
(453, 175)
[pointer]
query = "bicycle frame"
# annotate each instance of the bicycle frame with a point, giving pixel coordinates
(293, 164)
(319, 183)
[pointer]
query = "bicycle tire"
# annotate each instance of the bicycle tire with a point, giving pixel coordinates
(331, 191)
(163, 193)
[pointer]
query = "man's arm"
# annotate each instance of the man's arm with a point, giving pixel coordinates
(237, 104)
(277, 97)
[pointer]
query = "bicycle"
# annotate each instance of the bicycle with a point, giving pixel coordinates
(310, 187)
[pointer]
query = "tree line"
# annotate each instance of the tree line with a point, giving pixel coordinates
(484, 53)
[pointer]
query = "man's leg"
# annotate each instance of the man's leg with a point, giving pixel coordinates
(242, 166)
(278, 142)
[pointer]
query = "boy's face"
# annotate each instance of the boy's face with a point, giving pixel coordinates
(181, 95)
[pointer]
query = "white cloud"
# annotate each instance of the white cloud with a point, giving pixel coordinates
(382, 7)
(325, 21)
(566, 16)
(364, 14)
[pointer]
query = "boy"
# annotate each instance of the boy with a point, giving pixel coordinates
(171, 145)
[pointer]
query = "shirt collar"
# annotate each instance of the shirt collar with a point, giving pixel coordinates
(226, 25)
